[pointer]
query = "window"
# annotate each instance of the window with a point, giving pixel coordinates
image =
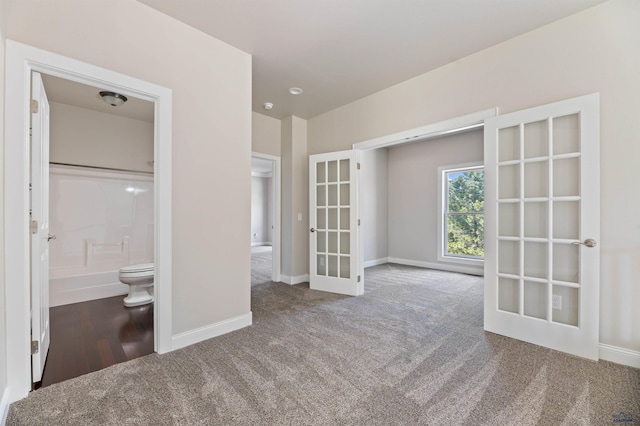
(462, 213)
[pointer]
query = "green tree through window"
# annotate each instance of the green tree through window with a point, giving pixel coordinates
(465, 212)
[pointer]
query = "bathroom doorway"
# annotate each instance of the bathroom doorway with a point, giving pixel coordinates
(100, 219)
(265, 219)
(21, 300)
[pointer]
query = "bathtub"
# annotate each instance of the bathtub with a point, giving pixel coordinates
(67, 289)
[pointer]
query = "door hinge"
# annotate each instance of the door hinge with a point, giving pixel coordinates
(358, 222)
(358, 166)
(34, 106)
(358, 278)
(35, 347)
(33, 226)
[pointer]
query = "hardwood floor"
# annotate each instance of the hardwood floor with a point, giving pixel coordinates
(92, 335)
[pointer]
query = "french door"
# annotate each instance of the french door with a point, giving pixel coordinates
(334, 264)
(542, 225)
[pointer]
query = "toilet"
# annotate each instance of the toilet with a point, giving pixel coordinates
(139, 278)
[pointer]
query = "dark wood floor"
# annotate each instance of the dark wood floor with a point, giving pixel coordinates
(93, 335)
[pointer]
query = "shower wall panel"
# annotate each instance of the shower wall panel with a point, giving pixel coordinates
(102, 220)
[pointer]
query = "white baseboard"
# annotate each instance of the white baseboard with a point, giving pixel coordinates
(298, 279)
(376, 262)
(440, 266)
(4, 406)
(210, 331)
(619, 355)
(264, 243)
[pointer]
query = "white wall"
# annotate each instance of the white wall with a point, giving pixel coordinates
(374, 205)
(91, 138)
(265, 134)
(261, 210)
(414, 191)
(211, 84)
(592, 51)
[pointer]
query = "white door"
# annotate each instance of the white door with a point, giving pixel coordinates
(39, 226)
(543, 225)
(333, 219)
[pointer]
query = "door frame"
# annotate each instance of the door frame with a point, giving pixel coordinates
(419, 134)
(275, 194)
(21, 60)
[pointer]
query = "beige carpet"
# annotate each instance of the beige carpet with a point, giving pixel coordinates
(261, 264)
(411, 351)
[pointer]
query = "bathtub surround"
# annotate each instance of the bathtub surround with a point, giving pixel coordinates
(103, 220)
(410, 351)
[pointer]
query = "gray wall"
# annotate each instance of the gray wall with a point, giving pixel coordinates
(261, 210)
(591, 51)
(414, 191)
(295, 200)
(3, 336)
(266, 134)
(374, 205)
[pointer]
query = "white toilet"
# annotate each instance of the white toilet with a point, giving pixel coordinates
(139, 278)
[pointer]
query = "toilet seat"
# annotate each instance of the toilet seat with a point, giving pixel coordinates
(140, 267)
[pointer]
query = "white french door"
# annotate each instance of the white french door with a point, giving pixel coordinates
(39, 227)
(542, 204)
(333, 219)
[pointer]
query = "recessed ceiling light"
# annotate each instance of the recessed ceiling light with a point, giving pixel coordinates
(295, 90)
(268, 105)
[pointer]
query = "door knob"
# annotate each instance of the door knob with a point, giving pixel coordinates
(589, 242)
(50, 237)
(312, 230)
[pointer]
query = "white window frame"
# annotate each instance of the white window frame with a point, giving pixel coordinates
(442, 214)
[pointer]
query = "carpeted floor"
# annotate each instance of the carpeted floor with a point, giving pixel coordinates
(410, 351)
(261, 264)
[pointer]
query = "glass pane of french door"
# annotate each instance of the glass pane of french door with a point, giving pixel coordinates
(333, 205)
(538, 202)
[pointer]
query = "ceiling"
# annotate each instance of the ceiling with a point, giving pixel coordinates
(83, 96)
(339, 51)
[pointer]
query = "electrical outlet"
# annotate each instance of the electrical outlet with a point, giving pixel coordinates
(556, 302)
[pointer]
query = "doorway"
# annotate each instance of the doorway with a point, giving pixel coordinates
(21, 61)
(265, 218)
(100, 219)
(542, 221)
